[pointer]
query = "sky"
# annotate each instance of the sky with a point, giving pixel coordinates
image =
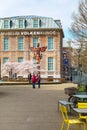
(57, 9)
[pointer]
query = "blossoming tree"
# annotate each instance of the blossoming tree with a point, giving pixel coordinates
(21, 69)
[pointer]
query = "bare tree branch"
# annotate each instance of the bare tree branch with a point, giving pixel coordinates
(79, 24)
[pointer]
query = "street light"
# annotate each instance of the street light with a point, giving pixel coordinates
(79, 67)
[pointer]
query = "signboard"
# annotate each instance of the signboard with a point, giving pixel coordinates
(14, 33)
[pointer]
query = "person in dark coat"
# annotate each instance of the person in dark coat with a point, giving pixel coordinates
(29, 77)
(38, 80)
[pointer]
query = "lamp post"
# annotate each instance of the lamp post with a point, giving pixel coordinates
(79, 68)
(38, 53)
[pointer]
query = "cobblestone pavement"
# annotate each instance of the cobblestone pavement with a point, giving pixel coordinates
(24, 108)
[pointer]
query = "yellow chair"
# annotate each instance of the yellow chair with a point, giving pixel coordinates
(68, 121)
(82, 105)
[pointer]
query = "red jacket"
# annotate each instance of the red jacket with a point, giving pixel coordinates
(33, 79)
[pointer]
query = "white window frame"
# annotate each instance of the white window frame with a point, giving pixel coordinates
(51, 63)
(5, 59)
(8, 24)
(23, 23)
(38, 22)
(20, 58)
(35, 43)
(4, 46)
(20, 48)
(52, 44)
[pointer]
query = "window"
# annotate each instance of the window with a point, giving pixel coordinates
(5, 59)
(5, 44)
(34, 60)
(50, 43)
(20, 43)
(20, 59)
(35, 23)
(6, 24)
(35, 41)
(50, 63)
(21, 23)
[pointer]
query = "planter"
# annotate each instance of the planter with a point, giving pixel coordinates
(70, 91)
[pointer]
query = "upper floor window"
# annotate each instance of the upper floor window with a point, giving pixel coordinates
(20, 59)
(5, 59)
(35, 41)
(50, 63)
(35, 23)
(20, 43)
(21, 24)
(5, 44)
(6, 24)
(50, 43)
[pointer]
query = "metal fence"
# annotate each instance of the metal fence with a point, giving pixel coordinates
(79, 78)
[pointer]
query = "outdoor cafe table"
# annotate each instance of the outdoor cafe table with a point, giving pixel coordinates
(80, 110)
(80, 96)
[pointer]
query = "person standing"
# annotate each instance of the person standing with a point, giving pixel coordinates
(33, 79)
(29, 77)
(38, 80)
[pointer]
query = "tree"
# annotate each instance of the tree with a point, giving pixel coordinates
(84, 58)
(79, 31)
(21, 69)
(79, 24)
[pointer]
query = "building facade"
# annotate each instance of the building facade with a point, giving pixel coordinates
(18, 34)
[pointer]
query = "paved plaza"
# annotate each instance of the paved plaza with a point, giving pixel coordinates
(24, 108)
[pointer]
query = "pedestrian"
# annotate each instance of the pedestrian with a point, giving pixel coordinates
(29, 77)
(33, 79)
(38, 80)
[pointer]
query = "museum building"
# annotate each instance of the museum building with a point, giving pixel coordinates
(19, 33)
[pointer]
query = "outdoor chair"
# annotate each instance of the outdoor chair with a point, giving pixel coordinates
(73, 121)
(82, 105)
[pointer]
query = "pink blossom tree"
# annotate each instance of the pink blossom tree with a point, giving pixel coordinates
(21, 69)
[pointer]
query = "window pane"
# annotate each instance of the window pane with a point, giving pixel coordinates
(50, 63)
(50, 43)
(5, 59)
(5, 44)
(35, 23)
(20, 23)
(20, 43)
(35, 41)
(34, 60)
(20, 59)
(5, 23)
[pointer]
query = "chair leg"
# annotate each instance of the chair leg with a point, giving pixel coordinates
(68, 126)
(79, 127)
(62, 126)
(85, 126)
